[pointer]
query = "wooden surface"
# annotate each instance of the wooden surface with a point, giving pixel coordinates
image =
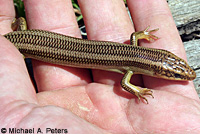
(193, 55)
(186, 14)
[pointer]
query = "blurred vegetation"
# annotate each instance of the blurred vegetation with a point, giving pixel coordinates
(19, 7)
(77, 10)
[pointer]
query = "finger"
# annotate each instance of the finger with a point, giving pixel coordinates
(157, 15)
(57, 16)
(7, 14)
(13, 71)
(15, 82)
(108, 20)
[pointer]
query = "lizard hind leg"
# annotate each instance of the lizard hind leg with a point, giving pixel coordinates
(19, 24)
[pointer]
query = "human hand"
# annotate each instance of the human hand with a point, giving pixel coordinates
(68, 95)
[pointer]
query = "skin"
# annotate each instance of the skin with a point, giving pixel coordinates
(68, 98)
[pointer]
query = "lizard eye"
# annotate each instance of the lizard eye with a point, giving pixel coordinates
(177, 75)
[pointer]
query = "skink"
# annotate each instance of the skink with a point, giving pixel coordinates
(122, 58)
